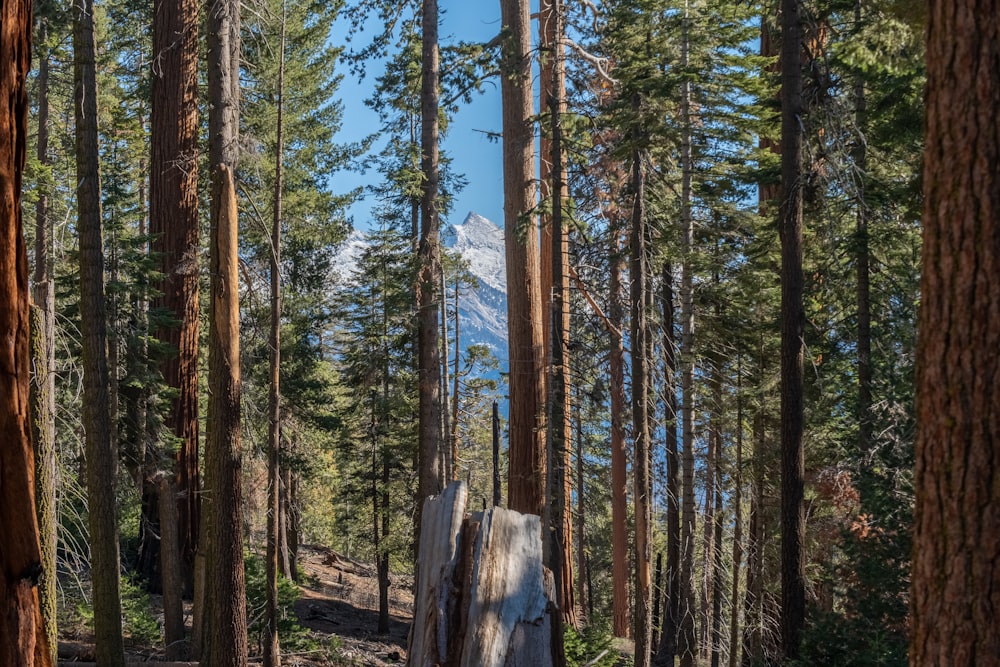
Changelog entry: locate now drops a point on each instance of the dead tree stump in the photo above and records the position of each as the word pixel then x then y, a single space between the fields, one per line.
pixel 484 598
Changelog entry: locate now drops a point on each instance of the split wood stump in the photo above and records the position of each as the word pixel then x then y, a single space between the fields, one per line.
pixel 484 598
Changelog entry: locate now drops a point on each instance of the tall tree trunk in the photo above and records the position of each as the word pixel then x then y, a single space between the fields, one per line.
pixel 581 513
pixel 734 599
pixel 714 527
pixel 687 636
pixel 708 526
pixel 225 638
pixel 23 640
pixel 956 546
pixel 102 459
pixel 272 647
pixel 671 617
pixel 448 454
pixel 715 631
pixel 430 473
pixel 526 485
pixel 752 642
pixel 555 291
pixel 173 226
pixel 641 353
pixel 173 585
pixel 863 259
pixel 793 597
pixel 455 400
pixel 44 387
pixel 619 461
pixel 226 632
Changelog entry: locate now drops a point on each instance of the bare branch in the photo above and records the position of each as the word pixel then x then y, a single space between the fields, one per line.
pixel 599 63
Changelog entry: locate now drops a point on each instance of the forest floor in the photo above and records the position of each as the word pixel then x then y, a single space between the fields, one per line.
pixel 339 606
pixel 337 612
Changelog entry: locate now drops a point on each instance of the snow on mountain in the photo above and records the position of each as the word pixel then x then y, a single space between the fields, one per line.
pixel 348 256
pixel 480 243
pixel 483 311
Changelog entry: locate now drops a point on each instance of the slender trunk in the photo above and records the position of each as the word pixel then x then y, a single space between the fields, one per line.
pixel 793 597
pixel 226 635
pixel 448 454
pixel 289 541
pixel 173 584
pixel 687 637
pixel 430 475
pixel 272 647
pixel 619 472
pixel 496 455
pixel 667 649
pixel 102 459
pixel 23 641
pixel 713 502
pixel 581 514
pixel 225 638
pixel 641 354
pixel 453 436
pixel 526 485
pixel 707 534
pixel 715 633
pixel 557 315
pixel 863 266
pixel 734 599
pixel 754 602
pixel 956 551
pixel 44 388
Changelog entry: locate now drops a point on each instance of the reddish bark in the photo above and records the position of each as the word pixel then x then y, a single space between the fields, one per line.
pixel 22 633
pixel 956 567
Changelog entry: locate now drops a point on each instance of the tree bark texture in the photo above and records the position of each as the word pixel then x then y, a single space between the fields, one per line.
pixel 272 646
pixel 102 455
pixel 484 598
pixel 526 485
pixel 641 355
pixel 863 260
pixel 173 583
pixel 43 359
pixel 793 596
pixel 956 565
pixel 430 468
pixel 734 598
pixel 621 614
pixel 555 312
pixel 226 600
pixel 173 226
pixel 667 649
pixel 687 633
pixel 22 631
pixel 224 639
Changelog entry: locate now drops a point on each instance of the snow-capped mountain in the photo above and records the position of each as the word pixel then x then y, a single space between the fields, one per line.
pixel 482 311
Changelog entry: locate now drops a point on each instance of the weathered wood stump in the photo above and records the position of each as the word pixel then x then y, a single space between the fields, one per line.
pixel 484 598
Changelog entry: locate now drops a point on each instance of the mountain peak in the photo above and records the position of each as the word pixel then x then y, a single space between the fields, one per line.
pixel 479 242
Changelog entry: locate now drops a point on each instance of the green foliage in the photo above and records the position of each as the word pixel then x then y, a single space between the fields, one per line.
pixel 139 624
pixel 592 647
pixel 293 636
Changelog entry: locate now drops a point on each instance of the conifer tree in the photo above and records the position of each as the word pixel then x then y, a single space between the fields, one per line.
pixel 23 639
pixel 102 460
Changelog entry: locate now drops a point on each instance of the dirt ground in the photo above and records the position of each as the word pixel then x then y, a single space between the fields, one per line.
pixel 338 606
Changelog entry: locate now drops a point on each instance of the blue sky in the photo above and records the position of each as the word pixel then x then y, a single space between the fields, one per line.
pixel 473 154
